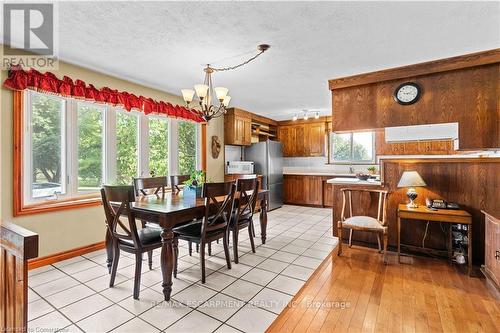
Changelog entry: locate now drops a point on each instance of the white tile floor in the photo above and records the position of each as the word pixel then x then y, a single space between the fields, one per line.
pixel 73 295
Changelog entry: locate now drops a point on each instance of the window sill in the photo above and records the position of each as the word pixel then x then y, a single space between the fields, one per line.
pixel 53 206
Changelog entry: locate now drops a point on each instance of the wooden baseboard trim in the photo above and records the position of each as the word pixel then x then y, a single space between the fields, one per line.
pixel 53 258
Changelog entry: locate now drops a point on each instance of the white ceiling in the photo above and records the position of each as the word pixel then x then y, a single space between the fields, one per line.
pixel 166 44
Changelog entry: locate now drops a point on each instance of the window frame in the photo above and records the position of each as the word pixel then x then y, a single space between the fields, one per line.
pixel 23 202
pixel 351 161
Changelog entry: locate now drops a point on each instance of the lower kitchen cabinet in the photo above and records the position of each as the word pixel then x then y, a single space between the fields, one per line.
pixel 303 190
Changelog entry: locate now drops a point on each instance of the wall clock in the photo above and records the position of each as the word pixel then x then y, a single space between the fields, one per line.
pixel 407 93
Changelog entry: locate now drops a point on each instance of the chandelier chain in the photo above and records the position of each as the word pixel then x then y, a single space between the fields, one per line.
pixel 222 69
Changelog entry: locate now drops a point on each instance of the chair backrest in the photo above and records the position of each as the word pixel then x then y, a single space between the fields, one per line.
pixel 219 201
pixel 381 206
pixel 123 195
pixel 177 180
pixel 246 194
pixel 143 184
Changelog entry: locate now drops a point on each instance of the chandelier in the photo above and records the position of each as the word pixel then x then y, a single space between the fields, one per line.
pixel 206 91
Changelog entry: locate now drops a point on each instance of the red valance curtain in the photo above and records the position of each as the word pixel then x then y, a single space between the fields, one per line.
pixel 20 79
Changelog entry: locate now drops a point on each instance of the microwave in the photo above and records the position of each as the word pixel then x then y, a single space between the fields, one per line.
pixel 239 167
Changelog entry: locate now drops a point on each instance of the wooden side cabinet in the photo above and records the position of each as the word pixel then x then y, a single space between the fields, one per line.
pixel 491 267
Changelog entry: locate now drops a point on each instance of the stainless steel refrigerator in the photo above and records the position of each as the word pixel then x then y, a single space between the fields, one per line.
pixel 268 162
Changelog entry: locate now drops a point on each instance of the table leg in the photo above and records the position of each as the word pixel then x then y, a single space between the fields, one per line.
pixel 450 243
pixel 469 248
pixel 399 239
pixel 263 219
pixel 109 249
pixel 167 261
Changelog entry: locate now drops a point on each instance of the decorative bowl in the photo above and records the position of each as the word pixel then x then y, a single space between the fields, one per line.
pixel 362 176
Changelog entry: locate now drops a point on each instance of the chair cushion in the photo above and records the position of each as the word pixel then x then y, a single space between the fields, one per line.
pixel 193 231
pixel 147 236
pixel 363 222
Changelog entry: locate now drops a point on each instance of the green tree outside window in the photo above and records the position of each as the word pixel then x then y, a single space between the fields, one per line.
pixel 126 147
pixel 158 146
pixel 46 136
pixel 90 147
pixel 187 147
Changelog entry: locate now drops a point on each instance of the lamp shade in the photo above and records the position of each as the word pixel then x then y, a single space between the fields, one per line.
pixel 221 92
pixel 201 90
pixel 411 179
pixel 187 94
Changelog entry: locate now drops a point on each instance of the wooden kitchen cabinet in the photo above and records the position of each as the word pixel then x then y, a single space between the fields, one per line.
pixel 327 193
pixel 316 139
pixel 303 190
pixel 302 139
pixel 237 128
pixel 491 268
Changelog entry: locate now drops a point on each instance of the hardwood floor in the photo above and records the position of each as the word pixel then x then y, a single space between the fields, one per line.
pixel 359 293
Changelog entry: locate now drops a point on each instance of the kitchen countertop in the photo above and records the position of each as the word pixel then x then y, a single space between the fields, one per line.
pixel 318 173
pixel 350 181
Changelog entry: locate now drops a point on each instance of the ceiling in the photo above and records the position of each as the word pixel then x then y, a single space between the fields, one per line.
pixel 165 44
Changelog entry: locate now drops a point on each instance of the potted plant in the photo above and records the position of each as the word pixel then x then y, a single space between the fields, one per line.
pixel 195 183
pixel 372 170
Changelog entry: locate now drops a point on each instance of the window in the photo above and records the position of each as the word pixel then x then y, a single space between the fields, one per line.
pixel 356 147
pixel 90 147
pixel 126 147
pixel 71 147
pixel 158 146
pixel 46 119
pixel 187 147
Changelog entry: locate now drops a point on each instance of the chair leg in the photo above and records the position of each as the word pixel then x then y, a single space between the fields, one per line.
pixel 150 260
pixel 378 241
pixel 198 248
pixel 190 247
pixel 176 254
pixel 350 237
pixel 114 265
pixel 225 240
pixel 209 245
pixel 385 247
pixel 137 277
pixel 250 234
pixel 339 235
pixel 202 261
pixel 235 245
pixel 217 241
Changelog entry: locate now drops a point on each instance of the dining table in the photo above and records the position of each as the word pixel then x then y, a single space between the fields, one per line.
pixel 169 210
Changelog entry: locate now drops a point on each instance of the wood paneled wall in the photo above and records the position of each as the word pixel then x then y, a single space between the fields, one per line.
pixel 17 245
pixel 473 183
pixel 462 89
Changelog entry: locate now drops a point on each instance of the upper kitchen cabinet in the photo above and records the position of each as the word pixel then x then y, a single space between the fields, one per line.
pixel 238 127
pixel 463 90
pixel 242 128
pixel 302 138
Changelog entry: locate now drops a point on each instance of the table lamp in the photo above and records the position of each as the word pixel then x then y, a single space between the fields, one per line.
pixel 411 179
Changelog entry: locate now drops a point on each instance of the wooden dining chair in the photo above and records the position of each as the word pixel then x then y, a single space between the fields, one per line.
pixel 242 217
pixel 219 200
pixel 125 236
pixel 378 225
pixel 155 185
pixel 177 180
pixel 144 186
